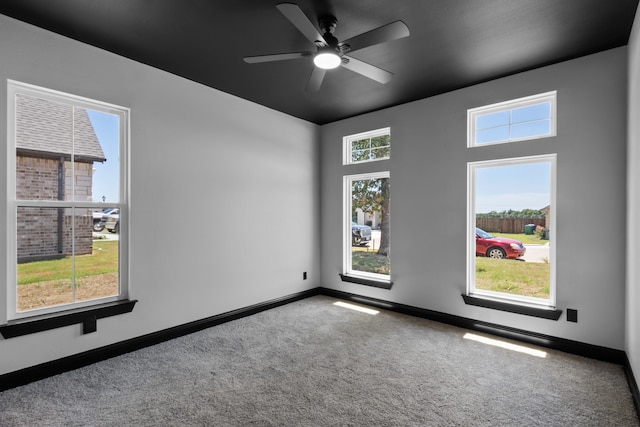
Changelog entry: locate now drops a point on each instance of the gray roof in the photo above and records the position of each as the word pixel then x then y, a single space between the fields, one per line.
pixel 44 129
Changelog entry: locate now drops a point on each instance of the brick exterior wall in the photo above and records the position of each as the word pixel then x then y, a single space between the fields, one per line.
pixel 38 228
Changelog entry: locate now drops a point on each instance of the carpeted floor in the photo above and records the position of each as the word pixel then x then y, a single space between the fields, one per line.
pixel 313 363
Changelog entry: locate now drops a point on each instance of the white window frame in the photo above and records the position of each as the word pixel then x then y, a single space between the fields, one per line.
pixel 471 224
pixel 347 144
pixel 528 101
pixel 15 88
pixel 346 229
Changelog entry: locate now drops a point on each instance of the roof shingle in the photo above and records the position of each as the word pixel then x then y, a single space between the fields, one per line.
pixel 50 128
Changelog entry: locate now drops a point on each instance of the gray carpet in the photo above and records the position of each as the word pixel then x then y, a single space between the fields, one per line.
pixel 312 363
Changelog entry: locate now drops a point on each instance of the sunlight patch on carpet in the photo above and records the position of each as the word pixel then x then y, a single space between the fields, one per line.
pixel 505 345
pixel 356 307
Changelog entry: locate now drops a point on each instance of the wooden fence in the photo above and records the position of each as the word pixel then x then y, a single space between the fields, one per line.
pixel 507 225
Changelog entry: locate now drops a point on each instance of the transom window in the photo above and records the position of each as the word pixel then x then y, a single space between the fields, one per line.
pixel 517 120
pixel 367 146
pixel 67 195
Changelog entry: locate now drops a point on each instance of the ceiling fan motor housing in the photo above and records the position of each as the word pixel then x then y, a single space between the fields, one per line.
pixel 327 24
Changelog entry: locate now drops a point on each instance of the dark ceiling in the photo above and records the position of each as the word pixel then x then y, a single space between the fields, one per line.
pixel 453 43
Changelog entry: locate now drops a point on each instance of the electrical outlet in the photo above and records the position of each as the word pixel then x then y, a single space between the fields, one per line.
pixel 572 315
pixel 304 276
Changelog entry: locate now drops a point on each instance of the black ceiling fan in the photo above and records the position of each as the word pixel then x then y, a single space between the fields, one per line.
pixel 330 52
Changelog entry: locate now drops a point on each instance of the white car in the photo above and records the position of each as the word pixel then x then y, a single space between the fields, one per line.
pixel 111 220
pixel 360 234
pixel 98 224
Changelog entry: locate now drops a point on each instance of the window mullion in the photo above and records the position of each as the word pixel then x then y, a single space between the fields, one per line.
pixel 510 124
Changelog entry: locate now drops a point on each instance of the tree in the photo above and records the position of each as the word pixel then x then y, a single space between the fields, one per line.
pixel 372 195
pixel 525 213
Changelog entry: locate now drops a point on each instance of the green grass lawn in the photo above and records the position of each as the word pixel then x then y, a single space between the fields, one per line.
pixel 104 259
pixel 369 261
pixel 527 239
pixel 514 277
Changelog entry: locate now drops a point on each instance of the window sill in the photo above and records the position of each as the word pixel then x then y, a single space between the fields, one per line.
pixel 545 313
pixel 367 282
pixel 86 315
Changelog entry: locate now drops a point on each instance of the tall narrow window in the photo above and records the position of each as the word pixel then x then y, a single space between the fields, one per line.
pixel 67 195
pixel 366 226
pixel 511 230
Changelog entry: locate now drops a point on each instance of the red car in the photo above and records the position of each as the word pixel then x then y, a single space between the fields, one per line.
pixel 497 247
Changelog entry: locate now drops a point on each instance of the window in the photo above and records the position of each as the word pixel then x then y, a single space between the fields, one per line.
pixel 366 227
pixel 367 146
pixel 67 196
pixel 511 229
pixel 517 120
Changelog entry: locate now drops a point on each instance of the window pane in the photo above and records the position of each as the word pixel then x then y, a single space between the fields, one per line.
pixel 87 152
pixel 97 259
pixel 512 208
pixel 360 155
pixel 369 229
pixel 530 129
pixel 43 144
pixel 56 149
pixel 381 153
pixel 61 259
pixel 492 135
pixel 501 118
pixel 361 144
pixel 44 261
pixel 381 141
pixel 530 113
pixel 106 173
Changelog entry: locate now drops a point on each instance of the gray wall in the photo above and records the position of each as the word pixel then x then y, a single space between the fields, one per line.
pixel 428 195
pixel 633 205
pixel 224 201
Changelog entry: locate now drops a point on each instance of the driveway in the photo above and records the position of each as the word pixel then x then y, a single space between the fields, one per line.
pixel 536 253
pixel 105 235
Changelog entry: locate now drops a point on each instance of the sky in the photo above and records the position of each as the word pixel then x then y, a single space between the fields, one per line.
pixel 517 187
pixel 106 175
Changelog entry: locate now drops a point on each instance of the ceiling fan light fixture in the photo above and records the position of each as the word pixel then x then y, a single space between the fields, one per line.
pixel 327 59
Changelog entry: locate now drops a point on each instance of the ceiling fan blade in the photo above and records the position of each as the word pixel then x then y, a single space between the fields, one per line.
pixel 315 81
pixel 392 31
pixel 367 70
pixel 276 57
pixel 294 14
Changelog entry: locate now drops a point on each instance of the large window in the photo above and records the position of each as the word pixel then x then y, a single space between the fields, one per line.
pixel 366 226
pixel 67 201
pixel 367 146
pixel 511 230
pixel 516 120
